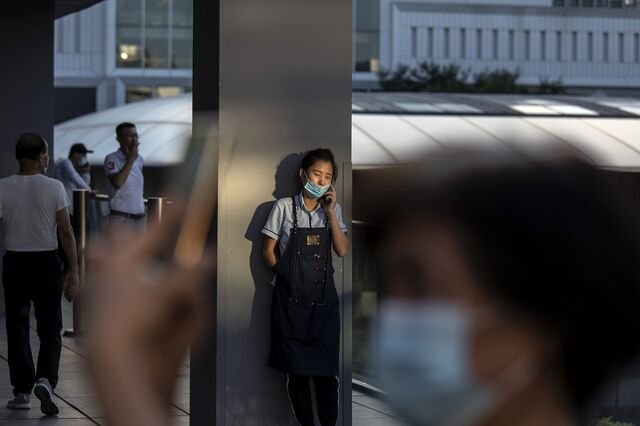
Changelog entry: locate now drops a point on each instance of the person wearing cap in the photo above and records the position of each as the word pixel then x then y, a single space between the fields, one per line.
pixel 74 174
pixel 126 182
pixel 73 171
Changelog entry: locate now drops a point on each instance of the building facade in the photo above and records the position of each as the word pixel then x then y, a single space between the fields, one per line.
pixel 589 46
pixel 120 51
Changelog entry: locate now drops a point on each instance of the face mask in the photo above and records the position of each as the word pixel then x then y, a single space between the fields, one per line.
pixel 83 161
pixel 424 364
pixel 314 190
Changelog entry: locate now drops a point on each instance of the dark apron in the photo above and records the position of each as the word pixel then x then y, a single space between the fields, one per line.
pixel 305 311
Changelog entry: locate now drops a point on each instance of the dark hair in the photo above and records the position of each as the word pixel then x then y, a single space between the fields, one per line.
pixel 319 154
pixel 29 146
pixel 558 243
pixel 124 125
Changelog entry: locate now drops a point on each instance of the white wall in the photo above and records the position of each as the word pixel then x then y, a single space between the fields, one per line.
pixel 578 70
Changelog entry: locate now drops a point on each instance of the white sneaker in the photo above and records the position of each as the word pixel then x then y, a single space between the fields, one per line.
pixel 44 393
pixel 21 401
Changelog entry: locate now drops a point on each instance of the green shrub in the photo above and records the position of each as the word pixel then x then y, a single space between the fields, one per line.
pixel 432 77
pixel 608 421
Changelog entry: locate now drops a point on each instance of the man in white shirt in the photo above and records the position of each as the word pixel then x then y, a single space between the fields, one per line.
pixel 32 208
pixel 124 172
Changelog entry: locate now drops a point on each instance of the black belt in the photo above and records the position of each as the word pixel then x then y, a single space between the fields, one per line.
pixel 127 215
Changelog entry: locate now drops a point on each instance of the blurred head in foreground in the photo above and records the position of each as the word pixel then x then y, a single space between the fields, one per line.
pixel 511 291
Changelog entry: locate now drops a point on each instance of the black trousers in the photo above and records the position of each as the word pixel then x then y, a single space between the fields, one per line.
pixel 327 398
pixel 32 277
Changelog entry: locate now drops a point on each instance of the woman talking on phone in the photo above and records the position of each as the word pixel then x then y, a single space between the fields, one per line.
pixel 305 313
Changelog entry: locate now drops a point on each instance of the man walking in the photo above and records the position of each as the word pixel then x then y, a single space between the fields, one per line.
pixel 124 172
pixel 32 207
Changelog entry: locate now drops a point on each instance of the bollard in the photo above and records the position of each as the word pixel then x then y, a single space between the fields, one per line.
pixel 80 204
pixel 155 209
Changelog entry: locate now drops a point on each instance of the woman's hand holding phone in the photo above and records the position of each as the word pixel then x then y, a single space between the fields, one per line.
pixel 329 199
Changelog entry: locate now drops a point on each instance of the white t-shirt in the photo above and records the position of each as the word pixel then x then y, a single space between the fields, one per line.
pixel 28 207
pixel 129 197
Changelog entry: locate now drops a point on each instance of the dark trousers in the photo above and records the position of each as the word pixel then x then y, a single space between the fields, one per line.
pixel 327 398
pixel 32 277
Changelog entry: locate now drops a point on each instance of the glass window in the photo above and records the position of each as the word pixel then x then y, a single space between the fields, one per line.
pixel 479 43
pixel 620 47
pixel 463 43
pixel 574 46
pixel 138 93
pixel 447 47
pixel 590 46
pixel 636 48
pixel 129 33
pixel 558 46
pixel 156 41
pixel 605 47
pixel 164 91
pixel 367 34
pixel 494 43
pixel 367 51
pixel 182 40
pixel 527 45
pixel 511 45
pixel 365 301
pixel 414 42
pixel 543 45
pixel 430 42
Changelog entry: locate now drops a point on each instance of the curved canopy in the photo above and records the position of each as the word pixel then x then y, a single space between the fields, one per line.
pixel 392 128
pixel 164 127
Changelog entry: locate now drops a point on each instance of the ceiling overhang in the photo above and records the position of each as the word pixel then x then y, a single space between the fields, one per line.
pixel 65 7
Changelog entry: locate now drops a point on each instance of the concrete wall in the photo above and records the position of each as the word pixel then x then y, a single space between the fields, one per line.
pixel 285 87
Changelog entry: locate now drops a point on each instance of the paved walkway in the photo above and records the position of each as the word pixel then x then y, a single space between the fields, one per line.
pixel 77 400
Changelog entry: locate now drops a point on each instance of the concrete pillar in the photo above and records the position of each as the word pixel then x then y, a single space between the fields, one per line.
pixel 26 75
pixel 285 87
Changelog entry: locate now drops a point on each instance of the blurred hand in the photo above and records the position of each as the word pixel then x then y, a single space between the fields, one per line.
pixel 71 286
pixel 143 316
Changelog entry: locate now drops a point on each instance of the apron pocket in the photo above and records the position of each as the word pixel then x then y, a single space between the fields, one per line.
pixel 318 322
pixel 300 314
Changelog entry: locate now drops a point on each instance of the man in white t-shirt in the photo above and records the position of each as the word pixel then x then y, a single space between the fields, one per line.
pixel 32 208
pixel 126 182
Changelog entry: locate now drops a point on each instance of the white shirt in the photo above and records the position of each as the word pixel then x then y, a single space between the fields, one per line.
pixel 71 179
pixel 280 219
pixel 129 197
pixel 28 207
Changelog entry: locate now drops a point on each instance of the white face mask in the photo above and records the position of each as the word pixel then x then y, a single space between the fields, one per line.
pixel 425 364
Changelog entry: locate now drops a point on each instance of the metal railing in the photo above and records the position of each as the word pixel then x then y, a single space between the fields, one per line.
pixel 90 217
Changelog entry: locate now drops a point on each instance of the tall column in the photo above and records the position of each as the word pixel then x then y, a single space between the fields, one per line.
pixel 285 87
pixel 26 75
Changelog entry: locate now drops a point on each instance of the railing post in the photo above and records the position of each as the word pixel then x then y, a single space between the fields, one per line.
pixel 155 209
pixel 80 228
